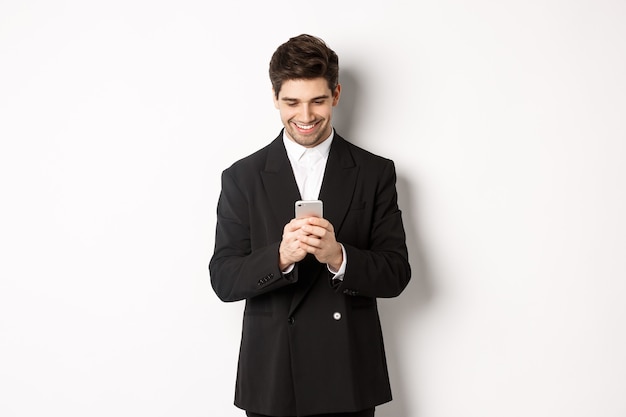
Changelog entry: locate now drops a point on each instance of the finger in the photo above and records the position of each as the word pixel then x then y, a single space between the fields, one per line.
pixel 316 231
pixel 310 243
pixel 320 222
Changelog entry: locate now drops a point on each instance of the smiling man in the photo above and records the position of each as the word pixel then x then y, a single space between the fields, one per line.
pixel 311 342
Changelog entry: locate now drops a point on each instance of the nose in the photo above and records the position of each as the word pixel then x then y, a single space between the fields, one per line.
pixel 307 113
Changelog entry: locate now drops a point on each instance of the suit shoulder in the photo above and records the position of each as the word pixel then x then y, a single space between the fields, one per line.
pixel 362 155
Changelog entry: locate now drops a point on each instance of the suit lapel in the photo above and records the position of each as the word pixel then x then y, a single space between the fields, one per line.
pixel 339 183
pixel 279 182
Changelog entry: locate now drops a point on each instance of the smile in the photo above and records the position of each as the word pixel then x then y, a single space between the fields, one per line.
pixel 304 127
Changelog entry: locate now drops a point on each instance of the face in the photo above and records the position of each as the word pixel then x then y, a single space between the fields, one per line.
pixel 306 108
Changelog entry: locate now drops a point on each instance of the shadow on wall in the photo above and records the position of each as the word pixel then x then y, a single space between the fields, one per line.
pixel 398 315
pixel 343 114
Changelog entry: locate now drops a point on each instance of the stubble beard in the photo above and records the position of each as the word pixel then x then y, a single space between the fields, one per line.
pixel 308 141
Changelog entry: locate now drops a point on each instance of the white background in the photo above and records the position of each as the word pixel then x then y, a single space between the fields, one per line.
pixel 506 120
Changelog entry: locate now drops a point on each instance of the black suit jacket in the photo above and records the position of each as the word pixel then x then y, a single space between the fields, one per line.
pixel 310 346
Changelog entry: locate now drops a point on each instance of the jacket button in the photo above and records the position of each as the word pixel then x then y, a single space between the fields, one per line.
pixel 291 321
pixel 337 315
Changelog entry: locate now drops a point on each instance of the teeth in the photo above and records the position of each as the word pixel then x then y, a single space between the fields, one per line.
pixel 305 127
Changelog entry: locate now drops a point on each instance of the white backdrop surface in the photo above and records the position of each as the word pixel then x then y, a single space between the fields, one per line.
pixel 507 124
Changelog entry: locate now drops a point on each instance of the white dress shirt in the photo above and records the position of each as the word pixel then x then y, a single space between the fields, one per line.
pixel 308 165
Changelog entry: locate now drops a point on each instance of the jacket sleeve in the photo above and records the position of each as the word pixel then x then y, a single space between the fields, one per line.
pixel 237 270
pixel 381 267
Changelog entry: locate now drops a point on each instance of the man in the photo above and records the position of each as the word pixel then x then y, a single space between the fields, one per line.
pixel 311 342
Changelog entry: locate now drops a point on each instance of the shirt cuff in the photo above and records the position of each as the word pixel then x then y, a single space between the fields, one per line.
pixel 342 269
pixel 288 269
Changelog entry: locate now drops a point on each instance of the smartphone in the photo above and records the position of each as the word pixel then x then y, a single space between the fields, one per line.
pixel 309 208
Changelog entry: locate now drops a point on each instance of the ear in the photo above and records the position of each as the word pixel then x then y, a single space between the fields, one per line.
pixel 336 94
pixel 274 98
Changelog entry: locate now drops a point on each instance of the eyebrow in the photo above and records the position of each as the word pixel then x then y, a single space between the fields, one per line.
pixel 323 97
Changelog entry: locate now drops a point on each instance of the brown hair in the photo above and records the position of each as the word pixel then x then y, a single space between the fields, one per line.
pixel 304 57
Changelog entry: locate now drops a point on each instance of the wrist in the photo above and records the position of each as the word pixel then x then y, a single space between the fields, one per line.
pixel 282 265
pixel 337 260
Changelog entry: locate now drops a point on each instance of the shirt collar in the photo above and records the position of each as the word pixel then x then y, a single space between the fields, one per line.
pixel 295 150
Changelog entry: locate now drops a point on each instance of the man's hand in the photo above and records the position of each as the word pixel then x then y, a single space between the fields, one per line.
pixel 290 251
pixel 312 235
